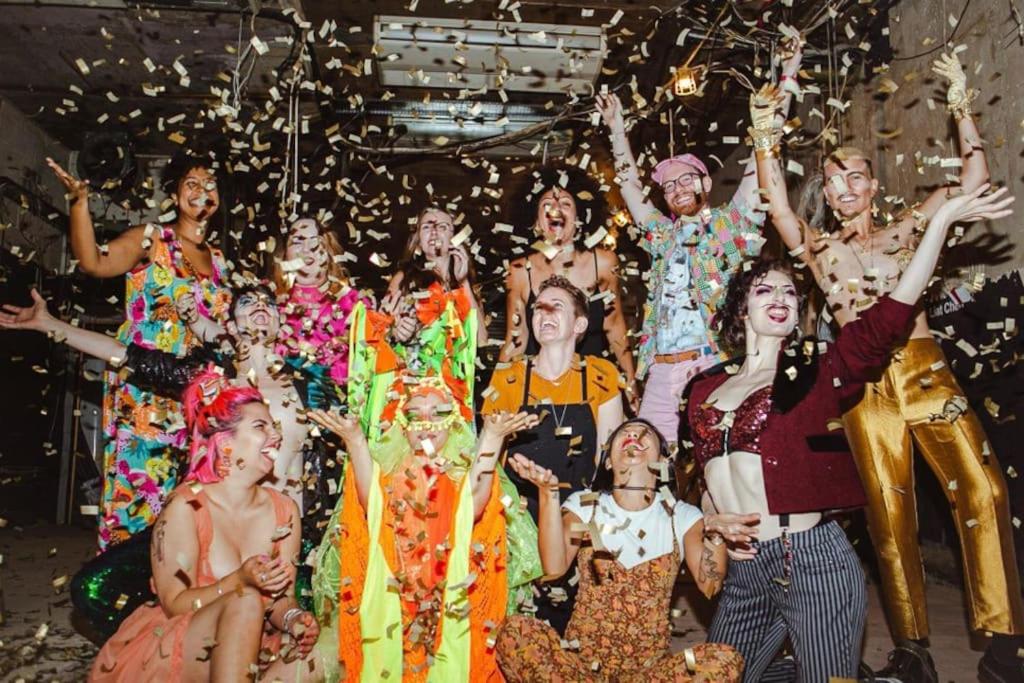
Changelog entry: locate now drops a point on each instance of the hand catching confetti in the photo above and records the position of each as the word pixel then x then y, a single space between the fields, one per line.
pixel 529 470
pixel 35 317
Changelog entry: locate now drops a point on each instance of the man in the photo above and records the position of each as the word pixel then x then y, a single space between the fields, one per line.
pixel 694 254
pixel 917 396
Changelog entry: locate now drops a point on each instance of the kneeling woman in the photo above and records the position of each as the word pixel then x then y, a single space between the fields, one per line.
pixel 421 540
pixel 760 434
pixel 638 538
pixel 220 617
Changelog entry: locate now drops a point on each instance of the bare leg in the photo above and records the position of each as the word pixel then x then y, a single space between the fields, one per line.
pixel 223 639
pixel 305 670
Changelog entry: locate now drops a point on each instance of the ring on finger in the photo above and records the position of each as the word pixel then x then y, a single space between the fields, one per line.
pixel 263 578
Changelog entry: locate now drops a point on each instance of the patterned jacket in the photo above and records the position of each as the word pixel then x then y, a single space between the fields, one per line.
pixel 718 245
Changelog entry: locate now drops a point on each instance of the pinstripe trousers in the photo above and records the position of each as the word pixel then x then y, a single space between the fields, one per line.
pixel 822 612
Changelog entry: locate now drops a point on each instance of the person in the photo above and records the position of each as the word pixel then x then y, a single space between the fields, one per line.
pixel 440 357
pixel 631 537
pixel 317 298
pixel 564 204
pixel 144 444
pixel 854 266
pixel 760 433
pixel 123 571
pixel 694 253
pixel 580 399
pixel 219 617
pixel 432 269
pixel 422 541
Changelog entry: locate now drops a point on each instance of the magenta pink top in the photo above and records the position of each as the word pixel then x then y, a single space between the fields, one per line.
pixel 314 325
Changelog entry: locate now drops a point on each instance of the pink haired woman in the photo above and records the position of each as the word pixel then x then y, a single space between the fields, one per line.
pixel 222 555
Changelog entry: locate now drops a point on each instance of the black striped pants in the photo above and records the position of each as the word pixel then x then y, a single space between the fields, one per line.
pixel 823 611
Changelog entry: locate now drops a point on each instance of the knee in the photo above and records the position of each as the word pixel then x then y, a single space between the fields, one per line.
pixel 717 658
pixel 509 633
pixel 243 606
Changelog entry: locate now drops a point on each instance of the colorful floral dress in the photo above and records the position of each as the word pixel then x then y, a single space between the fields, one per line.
pixel 145 435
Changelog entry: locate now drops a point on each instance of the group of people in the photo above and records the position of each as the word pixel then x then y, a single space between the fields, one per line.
pixel 294 427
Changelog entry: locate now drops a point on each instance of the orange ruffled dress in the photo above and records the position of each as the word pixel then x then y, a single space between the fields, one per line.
pixel 149 646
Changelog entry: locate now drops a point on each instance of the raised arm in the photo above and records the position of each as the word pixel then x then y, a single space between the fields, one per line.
pixel 627 175
pixel 117 257
pixel 554 527
pixel 37 318
pixel 517 292
pixel 747 192
pixel 497 427
pixel 965 208
pixel 974 166
pixel 347 427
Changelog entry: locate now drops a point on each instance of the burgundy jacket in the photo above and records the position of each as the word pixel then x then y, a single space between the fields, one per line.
pixel 808 467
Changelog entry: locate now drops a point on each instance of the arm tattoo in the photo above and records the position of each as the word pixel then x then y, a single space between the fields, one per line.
pixel 709 567
pixel 158 536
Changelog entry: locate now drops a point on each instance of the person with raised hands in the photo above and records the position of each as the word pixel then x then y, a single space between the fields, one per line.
pixel 167 268
pixel 223 557
pixel 630 538
pixel 695 251
pixel 760 430
pixel 422 575
pixel 856 258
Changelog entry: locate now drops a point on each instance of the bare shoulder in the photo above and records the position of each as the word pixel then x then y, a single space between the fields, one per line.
pixel 516 279
pixel 607 261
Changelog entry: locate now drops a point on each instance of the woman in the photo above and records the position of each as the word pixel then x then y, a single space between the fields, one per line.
pixel 558 221
pixel 219 617
pixel 760 435
pixel 431 270
pixel 580 400
pixel 145 443
pixel 421 537
pixel 635 537
pixel 317 299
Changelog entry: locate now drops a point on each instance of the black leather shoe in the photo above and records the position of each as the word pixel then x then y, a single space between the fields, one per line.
pixel 908 663
pixel 992 670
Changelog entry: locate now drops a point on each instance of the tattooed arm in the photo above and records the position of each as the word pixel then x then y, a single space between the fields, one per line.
pixel 174 554
pixel 705 560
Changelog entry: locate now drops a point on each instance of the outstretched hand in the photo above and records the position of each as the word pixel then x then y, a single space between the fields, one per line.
pixel 345 426
pixel 610 108
pixel 764 105
pixel 503 424
pixel 34 317
pixel 529 470
pixel 77 189
pixel 971 207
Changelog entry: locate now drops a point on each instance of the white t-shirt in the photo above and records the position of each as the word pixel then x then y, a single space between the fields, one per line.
pixel 634 536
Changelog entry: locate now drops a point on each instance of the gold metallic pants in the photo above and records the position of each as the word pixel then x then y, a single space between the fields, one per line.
pixel 909 401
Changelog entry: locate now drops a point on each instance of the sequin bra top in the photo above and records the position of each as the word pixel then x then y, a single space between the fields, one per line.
pixel 716 432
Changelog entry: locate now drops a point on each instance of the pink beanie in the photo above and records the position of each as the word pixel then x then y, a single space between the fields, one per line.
pixel 687 159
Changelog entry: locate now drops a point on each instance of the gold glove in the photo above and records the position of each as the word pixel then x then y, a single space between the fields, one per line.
pixel 958 97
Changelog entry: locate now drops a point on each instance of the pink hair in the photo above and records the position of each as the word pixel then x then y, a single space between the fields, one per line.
pixel 212 409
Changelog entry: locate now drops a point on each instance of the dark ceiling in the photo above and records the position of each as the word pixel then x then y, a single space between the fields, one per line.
pixel 354 162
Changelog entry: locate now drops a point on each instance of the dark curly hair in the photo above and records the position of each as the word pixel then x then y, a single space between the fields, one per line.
pixel 591 208
pixel 603 480
pixel 731 314
pixel 183 162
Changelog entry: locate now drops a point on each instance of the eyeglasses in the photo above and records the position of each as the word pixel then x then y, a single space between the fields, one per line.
pixel 687 181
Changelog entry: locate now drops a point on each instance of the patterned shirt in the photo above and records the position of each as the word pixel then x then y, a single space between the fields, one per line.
pixel 712 246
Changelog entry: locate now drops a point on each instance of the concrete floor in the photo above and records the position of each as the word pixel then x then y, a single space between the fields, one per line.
pixel 35 557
